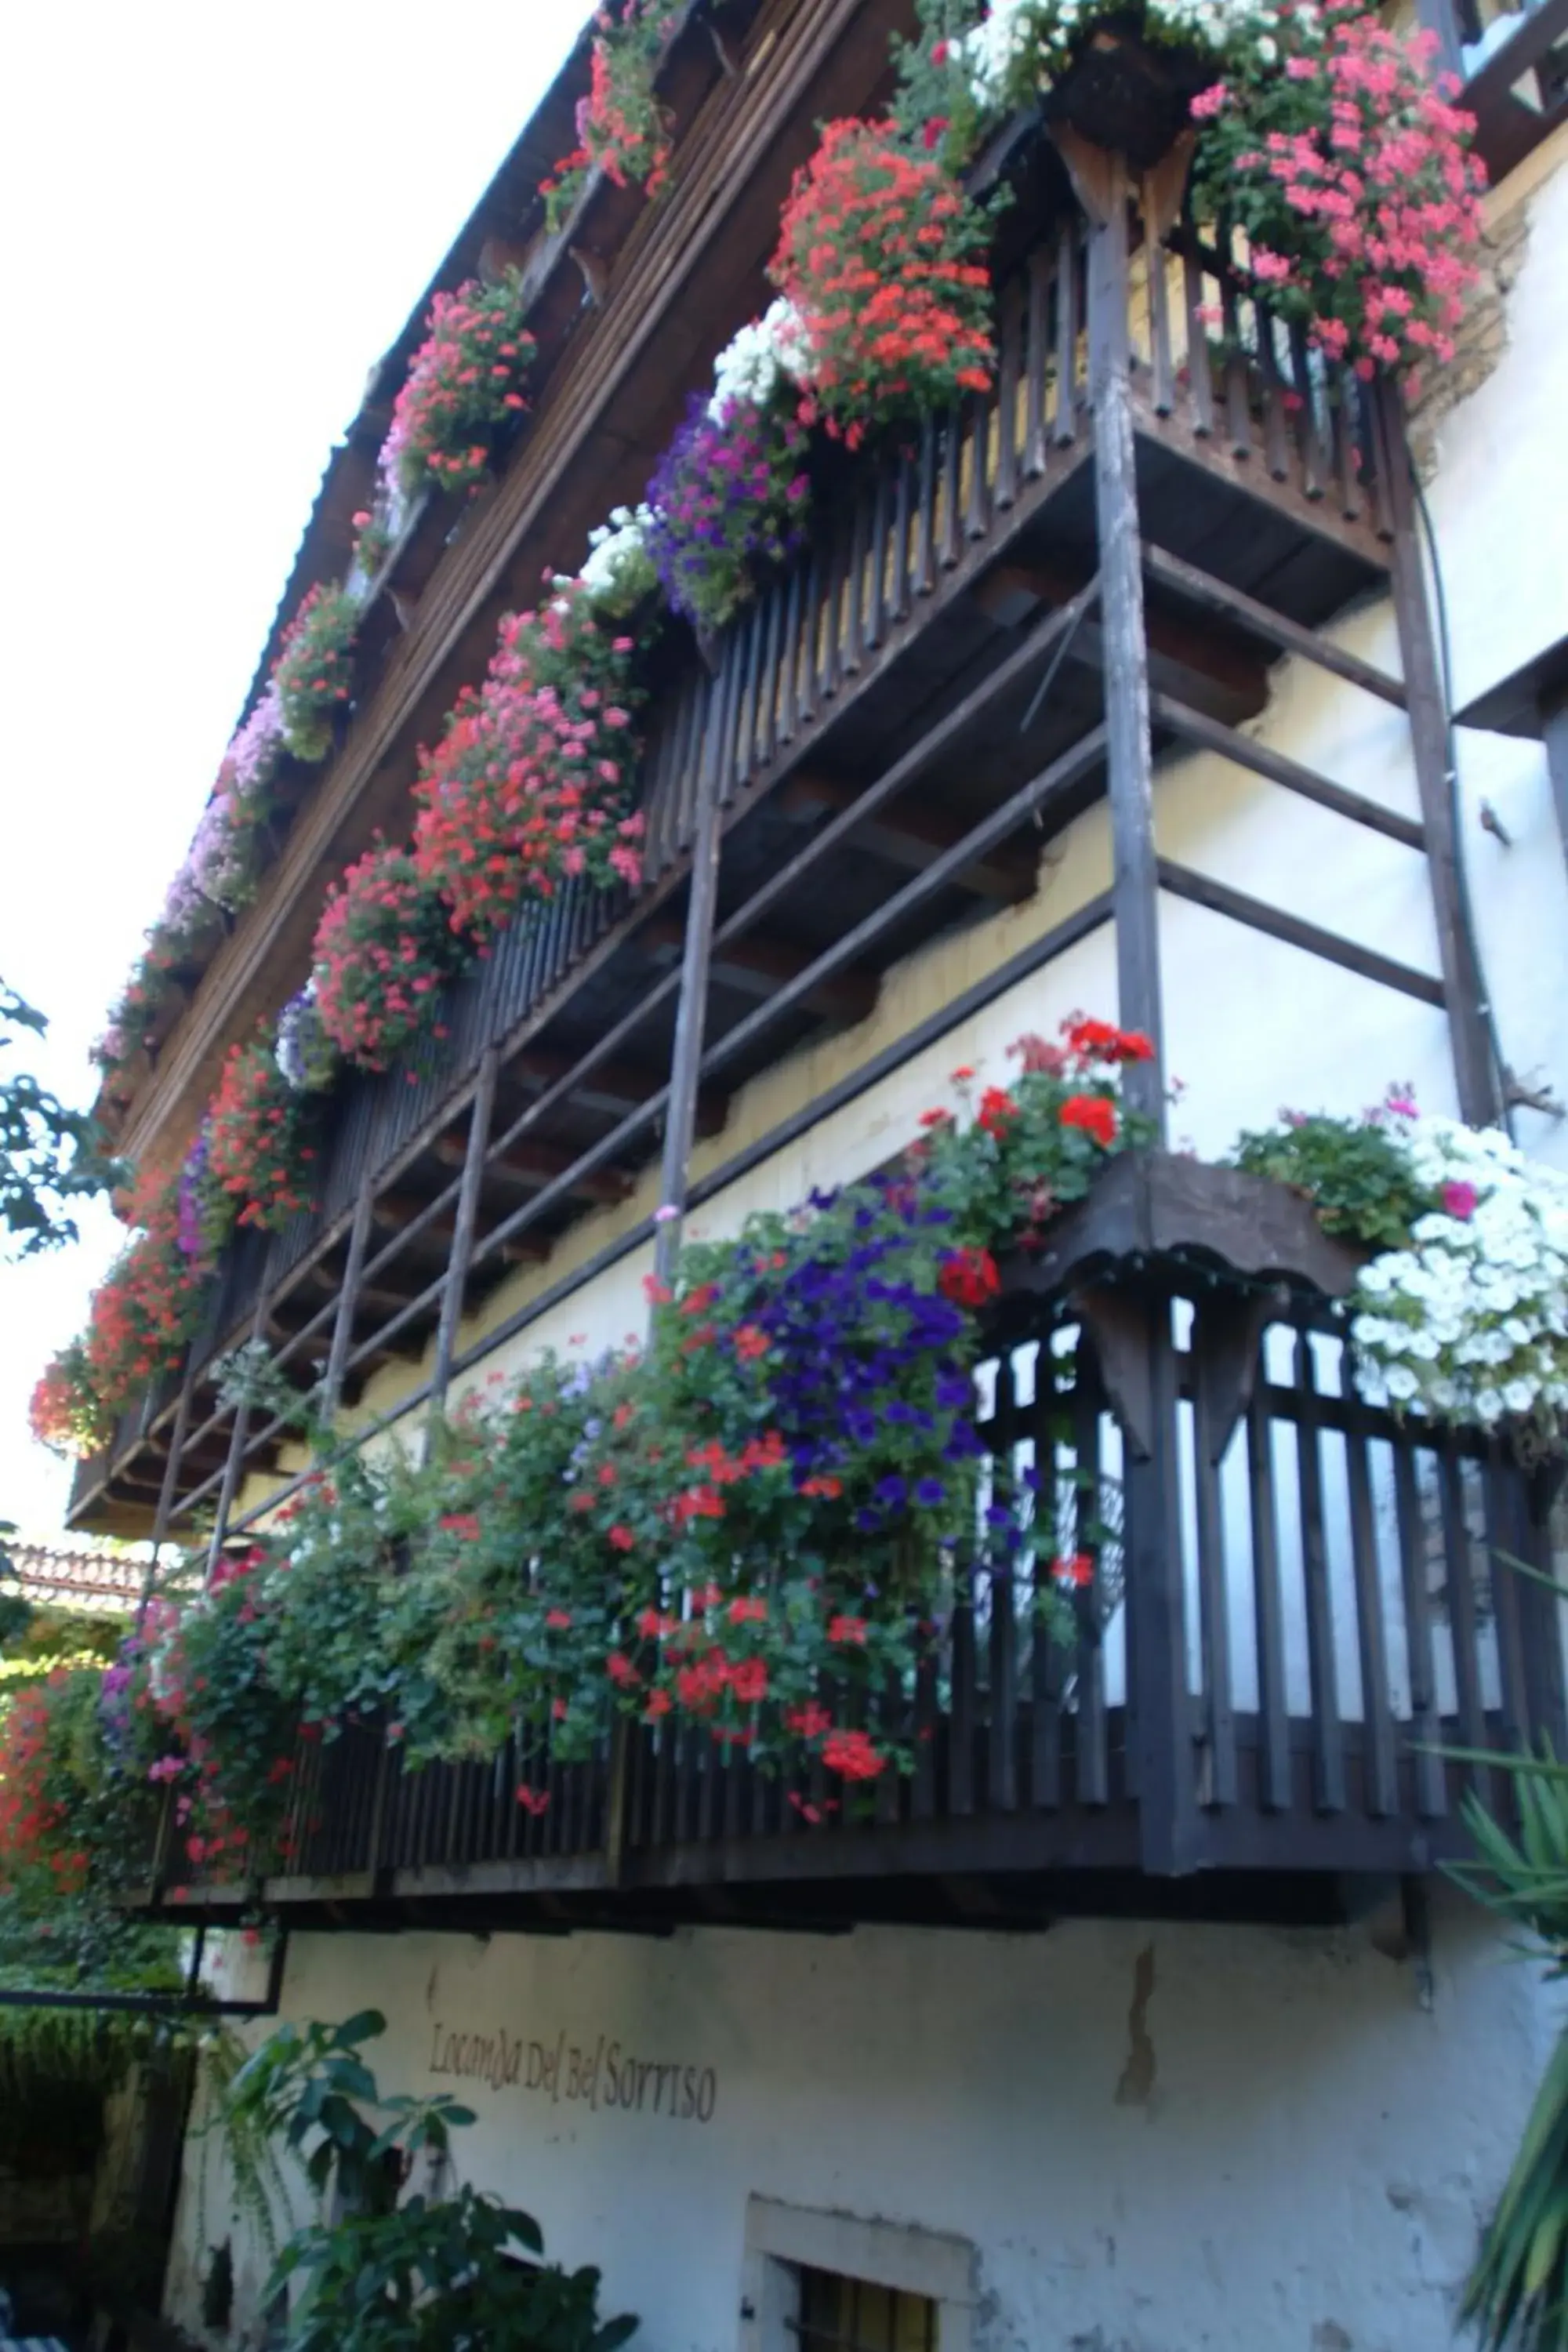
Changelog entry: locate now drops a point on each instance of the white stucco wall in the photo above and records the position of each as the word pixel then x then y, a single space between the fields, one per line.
pixel 1261 2143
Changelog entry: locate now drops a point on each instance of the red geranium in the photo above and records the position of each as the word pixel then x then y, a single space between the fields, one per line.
pixel 1095 1114
pixel 257 1154
pixel 969 1278
pixel 882 254
pixel 464 383
pixel 313 672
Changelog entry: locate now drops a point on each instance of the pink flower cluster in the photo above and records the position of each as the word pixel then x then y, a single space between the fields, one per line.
pixel 382 948
pixel 533 781
pixel 464 383
pixel 1353 176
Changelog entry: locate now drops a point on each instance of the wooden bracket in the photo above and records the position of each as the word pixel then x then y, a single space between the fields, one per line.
pixel 1118 1324
pixel 1164 188
pixel 727 65
pixel 595 276
pixel 1228 1329
pixel 1099 177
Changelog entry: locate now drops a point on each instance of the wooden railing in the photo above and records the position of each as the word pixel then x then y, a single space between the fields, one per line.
pixel 1344 1604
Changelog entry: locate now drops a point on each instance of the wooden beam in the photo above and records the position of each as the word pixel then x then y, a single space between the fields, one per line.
pixel 525 1167
pixel 697 971
pixel 914 839
pixel 1258 916
pixel 758 964
pixel 611 1087
pixel 1291 638
pixel 1214 669
pixel 1207 734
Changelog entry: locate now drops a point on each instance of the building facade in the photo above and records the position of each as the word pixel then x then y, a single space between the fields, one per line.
pixel 1133 2018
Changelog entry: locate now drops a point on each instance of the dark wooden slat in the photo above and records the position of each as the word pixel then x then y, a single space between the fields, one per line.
pixel 1091 1750
pixel 898 596
pixel 1036 356
pixel 1218 1707
pixel 1064 422
pixel 1379 1768
pixel 1221 900
pixel 1274 1757
pixel 977 504
pixel 1327 1734
pixel 1009 361
pixel 925 531
pixel 1198 371
pixel 1290 636
pixel 949 539
pixel 789 659
pixel 960 1748
pixel 1463 1630
pixel 1431 1793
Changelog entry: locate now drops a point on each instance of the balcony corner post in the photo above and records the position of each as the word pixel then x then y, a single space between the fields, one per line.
pixel 1102 183
pixel 457 1264
pixel 1133 1322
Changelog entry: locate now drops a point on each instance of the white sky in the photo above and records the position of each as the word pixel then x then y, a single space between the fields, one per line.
pixel 212 223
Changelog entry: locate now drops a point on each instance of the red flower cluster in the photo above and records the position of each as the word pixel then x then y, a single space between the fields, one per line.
pixel 313 672
pixel 257 1152
pixel 463 383
pixel 882 254
pixel 384 946
pixel 533 781
pixel 32 1819
pixel 969 1278
pixel 146 1308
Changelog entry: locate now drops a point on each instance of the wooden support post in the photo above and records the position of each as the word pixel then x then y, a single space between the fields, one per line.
pixel 463 1237
pixel 1130 1324
pixel 348 1298
pixel 167 1490
pixel 691 1019
pixel 1475 1074
pixel 1101 181
pixel 236 1462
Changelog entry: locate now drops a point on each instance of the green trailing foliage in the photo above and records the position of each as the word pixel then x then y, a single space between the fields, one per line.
pixel 1516 2294
pixel 420 2272
pixel 1356 1173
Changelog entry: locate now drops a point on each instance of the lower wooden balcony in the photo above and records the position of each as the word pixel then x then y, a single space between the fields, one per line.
pixel 1298 1604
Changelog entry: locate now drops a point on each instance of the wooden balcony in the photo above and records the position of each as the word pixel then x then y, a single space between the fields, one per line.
pixel 889 736
pixel 1295 1604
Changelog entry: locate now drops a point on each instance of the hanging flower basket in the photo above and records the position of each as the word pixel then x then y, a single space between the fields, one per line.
pixel 384 948
pixel 258 1153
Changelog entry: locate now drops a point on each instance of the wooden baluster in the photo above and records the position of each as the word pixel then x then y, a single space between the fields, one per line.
pixel 832 673
pixel 855 592
pixel 1063 429
pixel 977 503
pixel 877 563
pixel 1238 385
pixel 949 544
pixel 1463 1630
pixel 1091 1752
pixel 1002 1711
pixel 1350 461
pixel 746 715
pixel 1009 365
pixel 1035 394
pixel 961 1734
pixel 1274 1727
pixel 1504 1545
pixel 1276 434
pixel 925 536
pixel 899 592
pixel 1314 454
pixel 1328 1733
pixel 348 1301
pixel 1163 385
pixel 1210 1439
pixel 789 665
pixel 768 712
pixel 1431 1787
pixel 1199 372
pixel 1380 1767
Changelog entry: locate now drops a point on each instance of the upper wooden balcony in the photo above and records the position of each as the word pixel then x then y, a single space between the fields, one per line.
pixel 893 731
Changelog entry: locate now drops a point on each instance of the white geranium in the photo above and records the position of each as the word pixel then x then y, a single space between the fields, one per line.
pixel 772 351
pixel 1470 1323
pixel 615 544
pixel 1024 44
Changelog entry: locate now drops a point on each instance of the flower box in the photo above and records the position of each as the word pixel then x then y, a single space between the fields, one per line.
pixel 1159 1208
